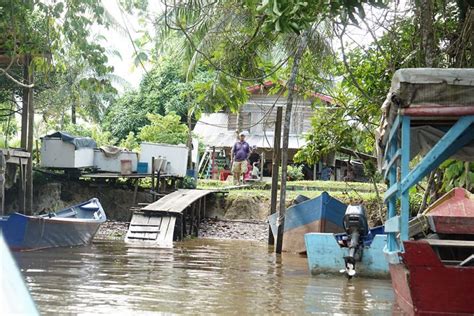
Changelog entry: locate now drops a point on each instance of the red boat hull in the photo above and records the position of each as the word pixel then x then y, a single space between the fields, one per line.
pixel 423 285
pixel 453 213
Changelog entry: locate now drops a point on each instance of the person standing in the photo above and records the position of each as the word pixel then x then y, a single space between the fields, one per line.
pixel 240 154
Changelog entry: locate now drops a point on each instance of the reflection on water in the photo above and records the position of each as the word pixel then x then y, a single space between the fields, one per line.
pixel 205 276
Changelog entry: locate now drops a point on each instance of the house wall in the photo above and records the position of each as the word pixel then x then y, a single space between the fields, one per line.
pixel 258 115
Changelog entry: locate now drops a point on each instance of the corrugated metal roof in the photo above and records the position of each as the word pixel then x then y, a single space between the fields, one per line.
pixel 212 129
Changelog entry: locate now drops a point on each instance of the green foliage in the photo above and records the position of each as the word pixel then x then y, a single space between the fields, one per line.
pixel 296 15
pixel 189 183
pixel 102 138
pixel 8 124
pixel 331 130
pixel 294 173
pixel 164 129
pixel 125 115
pixel 215 92
pixel 39 28
pixel 457 174
pixel 130 142
pixel 162 90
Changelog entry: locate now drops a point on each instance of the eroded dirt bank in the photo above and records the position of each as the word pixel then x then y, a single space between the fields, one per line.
pixel 235 216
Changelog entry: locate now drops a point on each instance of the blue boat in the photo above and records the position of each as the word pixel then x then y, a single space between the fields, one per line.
pixel 321 214
pixel 328 253
pixel 16 300
pixel 73 226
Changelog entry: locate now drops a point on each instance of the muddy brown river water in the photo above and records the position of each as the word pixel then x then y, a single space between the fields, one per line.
pixel 196 277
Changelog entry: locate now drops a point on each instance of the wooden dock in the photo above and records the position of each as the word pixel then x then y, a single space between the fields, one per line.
pixel 172 217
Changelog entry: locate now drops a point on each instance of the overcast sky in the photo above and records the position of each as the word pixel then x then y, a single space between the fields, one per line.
pixel 119 41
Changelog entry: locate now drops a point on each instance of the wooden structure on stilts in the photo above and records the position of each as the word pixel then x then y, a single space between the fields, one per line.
pixel 172 217
pixel 12 158
pixel 22 157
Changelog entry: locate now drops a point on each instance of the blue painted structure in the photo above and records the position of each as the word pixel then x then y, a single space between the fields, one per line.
pixel 16 300
pixel 73 226
pixel 321 214
pixel 398 148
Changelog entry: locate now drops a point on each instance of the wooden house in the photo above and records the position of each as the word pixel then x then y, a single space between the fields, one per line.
pixel 257 118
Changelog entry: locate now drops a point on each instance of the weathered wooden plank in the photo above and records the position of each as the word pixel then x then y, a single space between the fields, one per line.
pixel 145 229
pixel 417 225
pixel 165 238
pixel 177 201
pixel 143 236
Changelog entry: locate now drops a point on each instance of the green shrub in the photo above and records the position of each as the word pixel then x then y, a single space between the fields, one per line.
pixel 166 129
pixel 294 173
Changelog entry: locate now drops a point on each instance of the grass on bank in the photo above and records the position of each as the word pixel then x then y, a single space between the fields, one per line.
pixel 329 186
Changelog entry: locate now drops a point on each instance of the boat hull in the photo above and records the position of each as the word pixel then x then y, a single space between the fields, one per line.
pixel 321 214
pixel 423 285
pixel 326 256
pixel 23 232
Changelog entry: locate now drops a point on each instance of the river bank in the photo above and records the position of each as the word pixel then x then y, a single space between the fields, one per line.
pixel 210 228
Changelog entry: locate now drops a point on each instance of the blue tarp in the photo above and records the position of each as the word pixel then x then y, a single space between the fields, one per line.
pixel 78 142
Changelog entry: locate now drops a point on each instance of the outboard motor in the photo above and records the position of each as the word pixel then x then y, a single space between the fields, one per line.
pixel 356 227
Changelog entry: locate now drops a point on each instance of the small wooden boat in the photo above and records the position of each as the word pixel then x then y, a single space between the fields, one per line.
pixel 327 253
pixel 73 226
pixel 322 214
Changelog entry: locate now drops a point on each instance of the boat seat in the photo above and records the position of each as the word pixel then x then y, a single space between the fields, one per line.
pixel 451 243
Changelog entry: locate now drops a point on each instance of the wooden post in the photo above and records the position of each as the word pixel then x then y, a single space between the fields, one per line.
pixel 275 167
pixel 135 192
pixel 3 166
pixel 190 141
pixel 204 208
pixel 286 132
pixel 193 213
pixel 199 216
pixel 37 152
pixel 315 171
pixel 152 189
pixel 262 163
pixel 182 227
pixel 21 187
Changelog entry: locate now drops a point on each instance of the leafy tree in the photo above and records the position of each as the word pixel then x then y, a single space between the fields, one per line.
pixel 457 174
pixel 164 129
pixel 125 115
pixel 42 29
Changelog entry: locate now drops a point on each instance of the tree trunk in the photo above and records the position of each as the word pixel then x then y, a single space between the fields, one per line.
pixel 24 109
pixel 240 122
pixel 286 132
pixel 428 43
pixel 73 113
pixel 471 38
pixel 190 141
pixel 29 170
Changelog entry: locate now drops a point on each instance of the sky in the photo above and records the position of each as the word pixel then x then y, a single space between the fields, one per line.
pixel 119 41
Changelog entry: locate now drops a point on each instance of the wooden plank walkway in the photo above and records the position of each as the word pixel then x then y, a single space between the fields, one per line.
pixel 155 224
pixel 177 201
